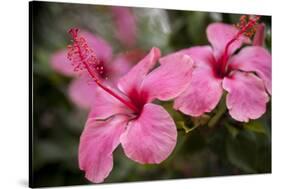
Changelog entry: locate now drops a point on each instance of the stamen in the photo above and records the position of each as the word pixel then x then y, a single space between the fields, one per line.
pixel 83 57
pixel 246 26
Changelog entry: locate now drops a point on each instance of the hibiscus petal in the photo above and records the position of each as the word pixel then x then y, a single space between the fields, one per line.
pixel 105 105
pixel 219 34
pixel 259 35
pixel 102 49
pixel 254 59
pixel 133 79
pixel 202 95
pixel 150 138
pixel 201 55
pixel 61 64
pixel 170 79
pixel 246 97
pixel 125 24
pixel 97 143
pixel 82 92
pixel 119 67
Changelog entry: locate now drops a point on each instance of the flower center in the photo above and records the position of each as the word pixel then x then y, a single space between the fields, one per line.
pixel 247 27
pixel 101 69
pixel 139 99
pixel 83 57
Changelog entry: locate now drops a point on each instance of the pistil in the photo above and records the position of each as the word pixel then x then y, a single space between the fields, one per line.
pixel 245 27
pixel 83 57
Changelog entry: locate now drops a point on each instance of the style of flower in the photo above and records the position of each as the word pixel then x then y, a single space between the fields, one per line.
pixel 126 114
pixel 246 76
pixel 81 91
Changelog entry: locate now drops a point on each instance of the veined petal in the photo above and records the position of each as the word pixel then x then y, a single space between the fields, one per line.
pixel 133 79
pixel 82 92
pixel 97 143
pixel 150 138
pixel 219 34
pixel 202 95
pixel 202 56
pixel 246 97
pixel 254 59
pixel 169 79
pixel 61 64
pixel 105 105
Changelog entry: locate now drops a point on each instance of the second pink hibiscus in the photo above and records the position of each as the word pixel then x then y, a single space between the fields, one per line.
pixel 246 76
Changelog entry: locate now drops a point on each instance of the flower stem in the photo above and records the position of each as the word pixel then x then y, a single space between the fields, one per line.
pixel 221 110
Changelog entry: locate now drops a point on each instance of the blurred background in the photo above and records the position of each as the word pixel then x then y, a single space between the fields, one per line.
pixel 218 146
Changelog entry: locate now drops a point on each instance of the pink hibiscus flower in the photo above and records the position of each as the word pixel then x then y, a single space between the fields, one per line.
pixel 246 76
pixel 81 91
pixel 125 24
pixel 126 114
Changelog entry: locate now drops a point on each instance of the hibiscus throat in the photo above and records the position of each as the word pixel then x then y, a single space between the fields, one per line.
pixel 84 58
pixel 101 69
pixel 247 27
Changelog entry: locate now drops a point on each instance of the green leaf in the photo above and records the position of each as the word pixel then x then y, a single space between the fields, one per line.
pixel 196 21
pixel 255 126
pixel 250 152
pixel 233 131
pixel 241 152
